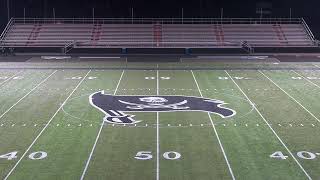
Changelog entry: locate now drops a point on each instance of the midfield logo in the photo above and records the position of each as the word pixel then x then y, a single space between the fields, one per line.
pixel 114 106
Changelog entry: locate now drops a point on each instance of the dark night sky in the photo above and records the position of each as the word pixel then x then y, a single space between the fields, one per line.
pixel 309 9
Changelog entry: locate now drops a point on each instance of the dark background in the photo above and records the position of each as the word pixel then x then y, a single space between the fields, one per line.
pixel 308 9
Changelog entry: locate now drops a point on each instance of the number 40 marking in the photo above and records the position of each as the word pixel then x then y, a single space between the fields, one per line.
pixel 301 154
pixel 34 156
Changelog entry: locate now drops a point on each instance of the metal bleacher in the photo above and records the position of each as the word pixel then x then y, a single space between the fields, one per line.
pixel 157 33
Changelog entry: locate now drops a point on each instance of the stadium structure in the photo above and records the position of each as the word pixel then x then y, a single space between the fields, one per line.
pixel 159 99
pixel 175 35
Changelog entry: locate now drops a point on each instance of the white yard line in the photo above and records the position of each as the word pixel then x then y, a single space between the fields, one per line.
pixel 216 132
pixel 158 145
pixel 27 94
pixel 10 78
pixel 98 135
pixel 316 66
pixel 268 124
pixel 290 96
pixel 306 79
pixel 45 127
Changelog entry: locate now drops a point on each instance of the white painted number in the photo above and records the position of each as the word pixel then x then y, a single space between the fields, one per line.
pixel 278 155
pixel 171 155
pixel 236 77
pixel 38 155
pixel 146 155
pixel 306 155
pixel 34 156
pixel 79 77
pixel 91 77
pixel 296 77
pixel 149 78
pixel 165 78
pixel 18 77
pixel 143 155
pixel 10 155
pixel 223 78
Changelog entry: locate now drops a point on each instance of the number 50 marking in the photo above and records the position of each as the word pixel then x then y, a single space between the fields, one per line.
pixel 146 155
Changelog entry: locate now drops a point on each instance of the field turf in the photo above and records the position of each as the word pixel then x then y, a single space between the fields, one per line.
pixel 49 130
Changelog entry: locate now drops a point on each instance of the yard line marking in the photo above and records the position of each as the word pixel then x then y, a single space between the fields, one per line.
pixel 158 146
pixel 215 131
pixel 289 96
pixel 27 94
pixel 54 115
pixel 274 132
pixel 306 79
pixel 10 78
pixel 98 135
pixel 316 66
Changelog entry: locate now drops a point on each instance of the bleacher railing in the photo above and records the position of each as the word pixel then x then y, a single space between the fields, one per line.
pixel 6 29
pixel 309 32
pixel 160 20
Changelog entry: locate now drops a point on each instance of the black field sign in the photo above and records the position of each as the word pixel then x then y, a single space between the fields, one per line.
pixel 114 106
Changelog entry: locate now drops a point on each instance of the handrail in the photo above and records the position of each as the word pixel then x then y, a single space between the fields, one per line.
pixel 247 47
pixel 6 30
pixel 161 20
pixel 307 29
pixel 67 46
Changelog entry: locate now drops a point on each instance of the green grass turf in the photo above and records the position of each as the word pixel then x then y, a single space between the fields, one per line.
pixel 248 142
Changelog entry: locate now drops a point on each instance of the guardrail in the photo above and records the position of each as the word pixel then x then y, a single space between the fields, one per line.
pixel 160 20
pixel 109 44
pixel 3 34
pixel 67 45
pixel 309 32
pixel 247 47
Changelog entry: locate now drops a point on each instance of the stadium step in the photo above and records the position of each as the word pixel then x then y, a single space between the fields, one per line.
pixel 96 34
pixel 34 34
pixel 218 31
pixel 280 34
pixel 157 34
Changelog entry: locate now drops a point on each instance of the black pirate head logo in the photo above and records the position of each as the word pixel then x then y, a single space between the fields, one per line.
pixel 114 106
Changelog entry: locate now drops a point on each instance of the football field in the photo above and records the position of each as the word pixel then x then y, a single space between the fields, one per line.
pixel 159 124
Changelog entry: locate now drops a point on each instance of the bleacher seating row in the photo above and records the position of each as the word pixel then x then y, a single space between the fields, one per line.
pixel 157 35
